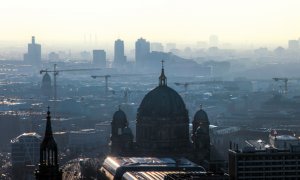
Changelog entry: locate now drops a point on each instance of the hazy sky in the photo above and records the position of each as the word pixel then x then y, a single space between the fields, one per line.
pixel 236 21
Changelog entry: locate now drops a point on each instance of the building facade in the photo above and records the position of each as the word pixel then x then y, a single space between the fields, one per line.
pixel 162 128
pixel 25 149
pixel 270 163
pixel 25 152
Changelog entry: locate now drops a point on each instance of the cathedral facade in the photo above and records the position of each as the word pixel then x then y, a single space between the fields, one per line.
pixel 162 128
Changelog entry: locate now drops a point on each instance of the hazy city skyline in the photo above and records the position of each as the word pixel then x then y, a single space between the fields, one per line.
pixel 158 21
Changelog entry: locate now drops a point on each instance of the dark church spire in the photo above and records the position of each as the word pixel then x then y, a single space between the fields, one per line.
pixel 162 77
pixel 48 167
pixel 48 132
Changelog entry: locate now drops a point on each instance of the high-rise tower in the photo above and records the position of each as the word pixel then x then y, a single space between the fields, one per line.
pixel 33 56
pixel 99 58
pixel 142 50
pixel 119 57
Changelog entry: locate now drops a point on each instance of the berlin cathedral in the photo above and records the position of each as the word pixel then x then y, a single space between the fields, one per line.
pixel 162 128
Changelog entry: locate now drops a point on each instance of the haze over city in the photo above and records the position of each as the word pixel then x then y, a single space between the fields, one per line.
pixel 149 90
pixel 235 21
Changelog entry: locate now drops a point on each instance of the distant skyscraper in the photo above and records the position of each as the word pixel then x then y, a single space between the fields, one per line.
pixel 213 41
pixel 33 56
pixel 99 58
pixel 293 45
pixel 119 57
pixel 142 50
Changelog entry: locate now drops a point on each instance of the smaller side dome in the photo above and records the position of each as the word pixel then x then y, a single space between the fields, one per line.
pixel 201 116
pixel 200 119
pixel 120 118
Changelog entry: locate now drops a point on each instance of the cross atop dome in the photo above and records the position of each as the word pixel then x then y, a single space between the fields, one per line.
pixel 162 77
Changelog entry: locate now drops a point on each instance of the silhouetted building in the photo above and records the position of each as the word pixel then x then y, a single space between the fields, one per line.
pixel 46 85
pixel 142 50
pixel 162 128
pixel 200 135
pixel 119 57
pixel 270 163
pixel 99 58
pixel 121 135
pixel 48 166
pixel 33 56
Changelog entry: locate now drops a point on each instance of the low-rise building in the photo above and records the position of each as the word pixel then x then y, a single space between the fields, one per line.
pixel 269 163
pixel 25 149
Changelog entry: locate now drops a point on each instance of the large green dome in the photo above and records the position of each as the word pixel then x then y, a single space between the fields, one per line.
pixel 162 101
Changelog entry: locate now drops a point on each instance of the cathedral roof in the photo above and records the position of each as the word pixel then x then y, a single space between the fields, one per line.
pixel 201 116
pixel 119 117
pixel 162 101
pixel 46 78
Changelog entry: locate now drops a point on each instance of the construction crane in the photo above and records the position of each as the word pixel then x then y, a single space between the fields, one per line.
pixel 56 72
pixel 116 75
pixel 106 81
pixel 187 84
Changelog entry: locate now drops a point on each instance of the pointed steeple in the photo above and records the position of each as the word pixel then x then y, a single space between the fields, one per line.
pixel 48 145
pixel 162 77
pixel 48 167
pixel 48 132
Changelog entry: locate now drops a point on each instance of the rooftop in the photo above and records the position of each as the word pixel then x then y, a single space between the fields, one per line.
pixel 26 135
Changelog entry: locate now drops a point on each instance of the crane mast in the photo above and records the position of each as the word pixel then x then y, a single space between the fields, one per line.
pixel 55 72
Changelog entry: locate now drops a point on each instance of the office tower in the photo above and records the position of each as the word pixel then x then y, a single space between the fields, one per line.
pixel 99 58
pixel 33 56
pixel 142 50
pixel 119 57
pixel 213 41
